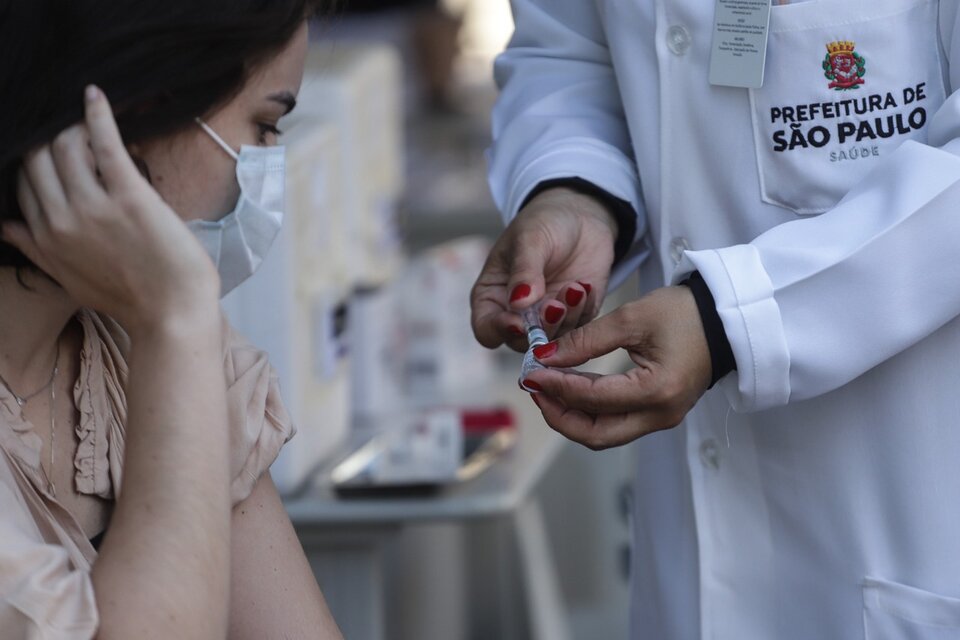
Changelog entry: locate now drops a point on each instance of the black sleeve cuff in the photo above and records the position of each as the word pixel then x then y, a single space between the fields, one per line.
pixel 621 210
pixel 721 355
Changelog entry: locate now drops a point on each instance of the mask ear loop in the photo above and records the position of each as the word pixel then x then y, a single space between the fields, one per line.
pixel 217 139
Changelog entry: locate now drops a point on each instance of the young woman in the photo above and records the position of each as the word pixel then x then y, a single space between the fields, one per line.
pixel 131 417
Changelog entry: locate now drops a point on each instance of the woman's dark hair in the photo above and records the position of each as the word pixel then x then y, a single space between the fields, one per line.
pixel 161 63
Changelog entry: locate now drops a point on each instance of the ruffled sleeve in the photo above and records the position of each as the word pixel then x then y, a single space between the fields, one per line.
pixel 102 405
pixel 259 422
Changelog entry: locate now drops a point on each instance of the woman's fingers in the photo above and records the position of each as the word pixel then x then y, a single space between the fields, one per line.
pixel 56 181
pixel 598 338
pixel 596 432
pixel 565 311
pixel 41 173
pixel 635 390
pixel 18 235
pixel 512 328
pixel 575 297
pixel 509 327
pixel 75 164
pixel 23 235
pixel 117 169
pixel 29 205
pixel 552 314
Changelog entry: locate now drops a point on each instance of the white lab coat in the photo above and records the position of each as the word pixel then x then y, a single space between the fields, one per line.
pixel 834 511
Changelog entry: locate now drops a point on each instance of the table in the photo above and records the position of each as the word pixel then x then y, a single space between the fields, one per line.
pixel 344 538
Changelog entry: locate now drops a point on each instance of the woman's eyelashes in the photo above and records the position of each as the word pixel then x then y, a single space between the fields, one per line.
pixel 268 133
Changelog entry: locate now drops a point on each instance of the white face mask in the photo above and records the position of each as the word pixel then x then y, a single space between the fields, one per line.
pixel 239 241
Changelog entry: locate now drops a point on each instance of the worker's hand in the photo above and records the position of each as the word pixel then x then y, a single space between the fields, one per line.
pixel 97 227
pixel 664 337
pixel 559 248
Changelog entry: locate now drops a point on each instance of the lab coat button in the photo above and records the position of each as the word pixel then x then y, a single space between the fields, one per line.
pixel 710 454
pixel 677 247
pixel 678 39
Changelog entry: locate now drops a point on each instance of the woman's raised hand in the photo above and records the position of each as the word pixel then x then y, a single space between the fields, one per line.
pixel 95 225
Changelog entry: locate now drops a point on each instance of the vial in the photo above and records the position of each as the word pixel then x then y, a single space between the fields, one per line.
pixel 536 337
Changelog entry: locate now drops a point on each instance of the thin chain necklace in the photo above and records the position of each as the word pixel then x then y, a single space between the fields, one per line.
pixel 22 400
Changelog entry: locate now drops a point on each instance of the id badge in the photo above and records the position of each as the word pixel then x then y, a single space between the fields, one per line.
pixel 739 52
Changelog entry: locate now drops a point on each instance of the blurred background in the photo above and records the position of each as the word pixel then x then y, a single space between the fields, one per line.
pixel 431 499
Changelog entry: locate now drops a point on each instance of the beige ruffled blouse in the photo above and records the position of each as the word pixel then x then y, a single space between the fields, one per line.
pixel 45 558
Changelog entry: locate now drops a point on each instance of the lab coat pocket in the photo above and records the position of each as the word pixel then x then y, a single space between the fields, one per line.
pixel 894 611
pixel 846 84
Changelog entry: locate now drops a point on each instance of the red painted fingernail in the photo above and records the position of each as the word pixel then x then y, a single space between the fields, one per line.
pixel 545 351
pixel 553 315
pixel 586 286
pixel 532 386
pixel 517 331
pixel 520 292
pixel 573 297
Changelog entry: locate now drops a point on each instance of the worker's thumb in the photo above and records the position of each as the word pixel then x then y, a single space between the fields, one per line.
pixel 592 340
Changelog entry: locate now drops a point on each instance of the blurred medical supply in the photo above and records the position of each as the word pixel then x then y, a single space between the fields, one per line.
pixel 419 450
pixel 424 450
pixel 357 90
pixel 411 338
pixel 418 462
pixel 444 360
pixel 358 333
pixel 345 164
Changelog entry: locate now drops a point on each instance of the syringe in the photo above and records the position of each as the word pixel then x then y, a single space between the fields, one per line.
pixel 536 337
